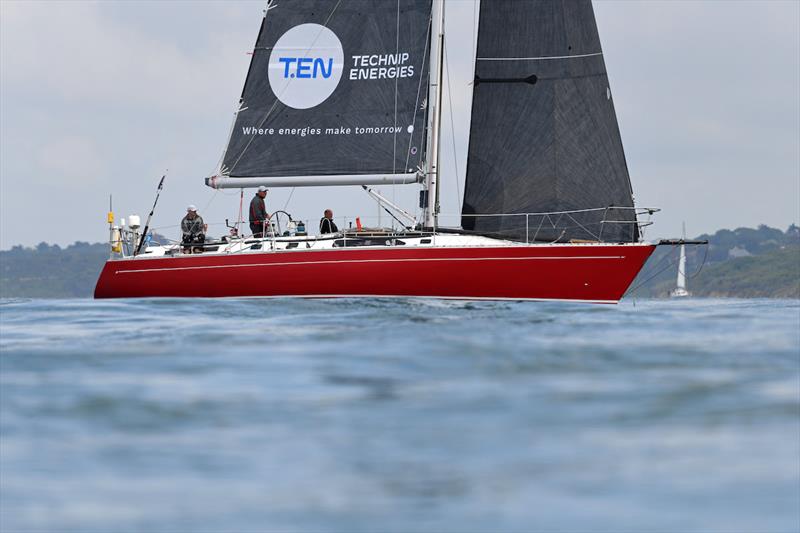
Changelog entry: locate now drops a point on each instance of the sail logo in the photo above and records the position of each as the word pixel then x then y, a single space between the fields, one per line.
pixel 305 66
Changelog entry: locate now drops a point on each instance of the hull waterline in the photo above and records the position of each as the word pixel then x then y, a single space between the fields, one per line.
pixel 589 273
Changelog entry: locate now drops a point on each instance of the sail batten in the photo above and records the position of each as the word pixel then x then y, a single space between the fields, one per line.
pixel 551 144
pixel 543 58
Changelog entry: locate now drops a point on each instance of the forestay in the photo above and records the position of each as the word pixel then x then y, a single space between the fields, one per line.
pixel 544 134
pixel 335 95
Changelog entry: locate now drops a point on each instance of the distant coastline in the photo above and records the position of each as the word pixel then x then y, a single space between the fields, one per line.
pixel 758 262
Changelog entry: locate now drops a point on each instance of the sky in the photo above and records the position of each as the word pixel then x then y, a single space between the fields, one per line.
pixel 100 98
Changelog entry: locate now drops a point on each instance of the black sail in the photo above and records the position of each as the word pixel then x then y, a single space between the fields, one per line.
pixel 334 88
pixel 544 134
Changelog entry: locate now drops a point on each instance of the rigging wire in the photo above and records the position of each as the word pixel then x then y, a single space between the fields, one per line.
pixel 291 193
pixel 240 218
pixel 671 263
pixel 416 101
pixel 702 264
pixel 452 127
pixel 211 199
pixel 658 273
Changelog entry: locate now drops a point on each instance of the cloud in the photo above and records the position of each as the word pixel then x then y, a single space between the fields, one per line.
pixel 71 159
pixel 707 99
pixel 77 51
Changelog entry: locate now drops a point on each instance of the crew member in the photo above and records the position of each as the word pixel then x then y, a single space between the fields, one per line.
pixel 326 223
pixel 194 231
pixel 258 212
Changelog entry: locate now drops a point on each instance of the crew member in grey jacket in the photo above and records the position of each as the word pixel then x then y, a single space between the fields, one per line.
pixel 194 231
pixel 258 212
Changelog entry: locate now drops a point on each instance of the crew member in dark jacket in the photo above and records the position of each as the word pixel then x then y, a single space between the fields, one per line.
pixel 258 212
pixel 326 223
pixel 194 231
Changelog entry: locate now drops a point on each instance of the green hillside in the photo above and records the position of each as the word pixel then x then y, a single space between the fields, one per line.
pixel 774 274
pixel 745 263
pixel 51 271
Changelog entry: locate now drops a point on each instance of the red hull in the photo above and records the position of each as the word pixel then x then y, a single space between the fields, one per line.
pixel 597 273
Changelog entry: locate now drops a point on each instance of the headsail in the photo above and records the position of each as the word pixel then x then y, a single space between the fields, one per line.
pixel 681 282
pixel 544 134
pixel 334 95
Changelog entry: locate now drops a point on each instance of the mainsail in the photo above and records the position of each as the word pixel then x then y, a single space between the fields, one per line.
pixel 335 95
pixel 544 134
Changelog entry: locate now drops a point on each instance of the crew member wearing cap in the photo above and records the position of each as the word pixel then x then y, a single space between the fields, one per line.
pixel 194 231
pixel 258 212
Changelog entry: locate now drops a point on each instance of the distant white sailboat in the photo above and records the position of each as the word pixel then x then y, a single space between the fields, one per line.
pixel 680 290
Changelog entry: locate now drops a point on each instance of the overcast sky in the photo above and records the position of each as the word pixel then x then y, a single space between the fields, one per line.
pixel 101 97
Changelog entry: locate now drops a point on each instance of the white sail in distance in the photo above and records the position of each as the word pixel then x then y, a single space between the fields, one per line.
pixel 680 290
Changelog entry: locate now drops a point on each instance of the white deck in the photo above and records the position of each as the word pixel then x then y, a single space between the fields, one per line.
pixel 350 241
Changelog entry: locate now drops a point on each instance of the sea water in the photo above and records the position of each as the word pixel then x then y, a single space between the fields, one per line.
pixel 399 415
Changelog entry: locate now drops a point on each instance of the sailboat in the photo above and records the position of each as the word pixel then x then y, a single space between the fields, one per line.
pixel 680 290
pixel 349 93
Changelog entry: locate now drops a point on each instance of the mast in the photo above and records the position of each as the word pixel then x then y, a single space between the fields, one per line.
pixel 431 214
